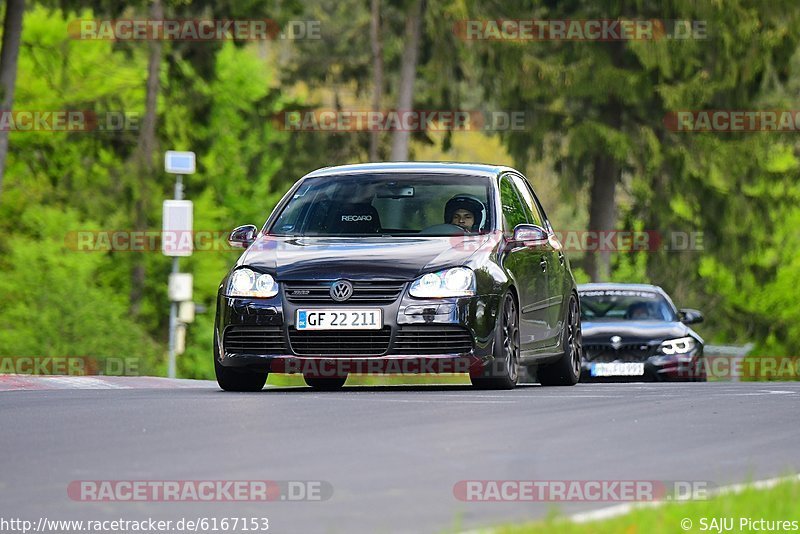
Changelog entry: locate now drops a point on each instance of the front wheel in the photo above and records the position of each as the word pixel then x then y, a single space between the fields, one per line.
pixel 503 373
pixel 231 379
pixel 566 371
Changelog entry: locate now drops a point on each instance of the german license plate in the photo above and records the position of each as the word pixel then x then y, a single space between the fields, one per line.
pixel 350 319
pixel 618 369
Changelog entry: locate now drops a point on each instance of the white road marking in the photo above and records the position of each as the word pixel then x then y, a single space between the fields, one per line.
pixel 622 509
pixel 82 382
pixel 62 382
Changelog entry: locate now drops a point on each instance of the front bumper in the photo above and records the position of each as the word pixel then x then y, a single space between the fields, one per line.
pixel 408 322
pixel 657 368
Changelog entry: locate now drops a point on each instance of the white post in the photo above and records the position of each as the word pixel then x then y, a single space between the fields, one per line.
pixel 178 163
pixel 173 306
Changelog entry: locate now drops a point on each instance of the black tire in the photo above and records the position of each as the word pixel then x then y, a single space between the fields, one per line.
pixel 503 371
pixel 233 379
pixel 566 371
pixel 326 383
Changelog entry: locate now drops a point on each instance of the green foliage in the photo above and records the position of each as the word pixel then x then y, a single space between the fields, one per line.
pixel 68 302
pixel 585 100
pixel 773 505
pixel 738 190
pixel 58 302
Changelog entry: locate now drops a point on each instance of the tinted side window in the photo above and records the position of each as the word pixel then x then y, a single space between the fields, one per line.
pixel 527 199
pixel 514 212
pixel 542 213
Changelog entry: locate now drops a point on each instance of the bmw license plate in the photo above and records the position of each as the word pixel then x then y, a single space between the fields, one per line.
pixel 350 319
pixel 618 369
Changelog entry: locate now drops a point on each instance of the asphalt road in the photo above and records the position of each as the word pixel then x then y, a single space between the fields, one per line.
pixel 392 455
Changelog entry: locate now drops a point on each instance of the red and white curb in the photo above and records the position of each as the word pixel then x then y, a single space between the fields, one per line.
pixel 49 382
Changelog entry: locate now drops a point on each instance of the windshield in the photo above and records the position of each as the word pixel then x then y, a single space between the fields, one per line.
pixel 387 204
pixel 625 305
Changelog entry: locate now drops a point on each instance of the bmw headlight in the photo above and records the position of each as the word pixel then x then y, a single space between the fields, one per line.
pixel 681 345
pixel 247 283
pixel 455 282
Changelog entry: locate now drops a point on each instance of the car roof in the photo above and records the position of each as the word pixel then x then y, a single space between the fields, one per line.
pixel 416 167
pixel 612 285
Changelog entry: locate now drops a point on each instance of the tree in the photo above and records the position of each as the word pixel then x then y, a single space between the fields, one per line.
pixel 144 167
pixel 597 109
pixel 408 76
pixel 377 72
pixel 12 33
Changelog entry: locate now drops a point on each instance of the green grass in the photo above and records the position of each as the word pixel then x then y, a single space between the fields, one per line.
pixel 780 503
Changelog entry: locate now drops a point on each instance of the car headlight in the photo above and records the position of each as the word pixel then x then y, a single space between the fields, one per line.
pixel 247 283
pixel 681 345
pixel 455 282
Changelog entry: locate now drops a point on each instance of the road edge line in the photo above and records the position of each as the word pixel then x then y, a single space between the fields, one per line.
pixel 622 509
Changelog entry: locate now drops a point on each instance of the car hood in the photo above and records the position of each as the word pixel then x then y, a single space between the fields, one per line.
pixel 397 258
pixel 634 331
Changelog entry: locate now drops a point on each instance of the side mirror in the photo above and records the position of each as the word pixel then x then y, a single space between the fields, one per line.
pixel 690 316
pixel 531 235
pixel 243 236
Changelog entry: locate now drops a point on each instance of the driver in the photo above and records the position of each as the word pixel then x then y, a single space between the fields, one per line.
pixel 638 310
pixel 465 211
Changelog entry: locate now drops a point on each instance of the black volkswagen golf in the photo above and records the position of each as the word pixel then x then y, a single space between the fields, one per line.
pixel 400 267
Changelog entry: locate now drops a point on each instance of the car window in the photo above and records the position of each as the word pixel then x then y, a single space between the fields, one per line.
pixel 527 201
pixel 538 207
pixel 624 304
pixel 514 211
pixel 382 204
pixel 542 213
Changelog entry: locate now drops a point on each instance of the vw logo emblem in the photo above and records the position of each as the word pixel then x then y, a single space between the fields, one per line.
pixel 616 342
pixel 341 290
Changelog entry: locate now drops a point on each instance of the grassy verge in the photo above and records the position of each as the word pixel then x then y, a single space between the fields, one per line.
pixel 773 505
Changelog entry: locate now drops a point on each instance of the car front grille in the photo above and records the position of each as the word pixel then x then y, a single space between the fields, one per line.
pixel 363 292
pixel 254 340
pixel 409 340
pixel 432 340
pixel 340 342
pixel 632 352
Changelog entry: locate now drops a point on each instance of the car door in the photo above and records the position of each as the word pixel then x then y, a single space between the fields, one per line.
pixel 527 266
pixel 553 257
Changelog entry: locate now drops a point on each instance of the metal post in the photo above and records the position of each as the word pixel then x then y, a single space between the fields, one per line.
pixel 173 307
